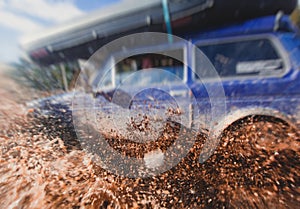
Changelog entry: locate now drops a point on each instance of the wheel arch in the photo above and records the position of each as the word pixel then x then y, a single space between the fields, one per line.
pixel 240 114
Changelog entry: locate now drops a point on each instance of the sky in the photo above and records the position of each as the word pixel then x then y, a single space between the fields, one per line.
pixel 19 18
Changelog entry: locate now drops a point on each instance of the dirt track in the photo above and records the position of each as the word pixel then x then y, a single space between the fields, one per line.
pixel 257 165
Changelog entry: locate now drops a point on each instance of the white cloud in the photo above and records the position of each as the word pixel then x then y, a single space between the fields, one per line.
pixel 28 15
pixel 25 17
pixel 50 10
pixel 18 23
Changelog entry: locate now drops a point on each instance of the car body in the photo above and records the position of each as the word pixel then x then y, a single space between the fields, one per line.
pixel 261 77
pixel 257 62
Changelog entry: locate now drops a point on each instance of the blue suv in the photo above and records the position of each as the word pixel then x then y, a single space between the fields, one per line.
pixel 257 66
pixel 252 69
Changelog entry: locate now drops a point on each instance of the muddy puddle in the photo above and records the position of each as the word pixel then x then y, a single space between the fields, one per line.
pixel 256 165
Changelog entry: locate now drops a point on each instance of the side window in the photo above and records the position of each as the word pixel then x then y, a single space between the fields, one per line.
pixel 148 62
pixel 243 58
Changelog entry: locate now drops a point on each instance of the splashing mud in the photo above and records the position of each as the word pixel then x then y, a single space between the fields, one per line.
pixel 256 165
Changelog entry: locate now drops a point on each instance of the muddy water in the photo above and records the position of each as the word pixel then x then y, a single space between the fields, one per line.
pixel 256 165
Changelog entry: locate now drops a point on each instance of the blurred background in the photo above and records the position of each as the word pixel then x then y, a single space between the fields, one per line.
pixel 23 22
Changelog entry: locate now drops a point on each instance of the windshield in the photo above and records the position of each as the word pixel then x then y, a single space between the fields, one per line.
pixel 143 69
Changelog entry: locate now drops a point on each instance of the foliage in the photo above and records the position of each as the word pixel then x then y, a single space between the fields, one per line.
pixel 44 78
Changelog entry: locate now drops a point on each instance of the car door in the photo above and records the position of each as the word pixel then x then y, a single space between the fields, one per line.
pixel 147 89
pixel 255 72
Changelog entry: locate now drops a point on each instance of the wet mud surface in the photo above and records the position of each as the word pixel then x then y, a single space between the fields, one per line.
pixel 42 165
pixel 256 165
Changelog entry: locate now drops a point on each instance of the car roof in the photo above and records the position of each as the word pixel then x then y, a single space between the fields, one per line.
pixel 267 24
